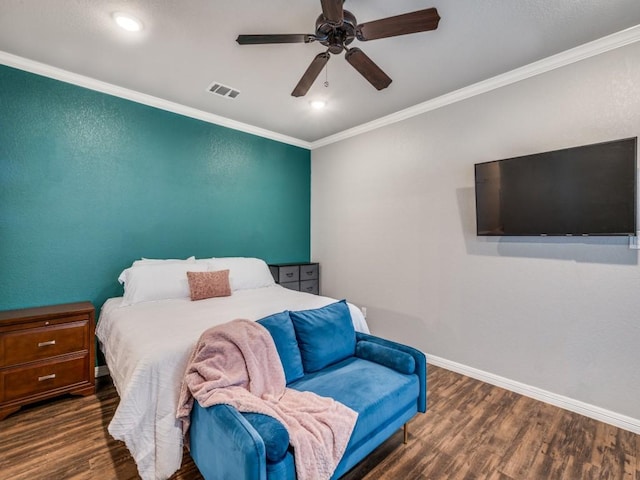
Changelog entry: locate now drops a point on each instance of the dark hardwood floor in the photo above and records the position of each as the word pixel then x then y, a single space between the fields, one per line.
pixel 472 430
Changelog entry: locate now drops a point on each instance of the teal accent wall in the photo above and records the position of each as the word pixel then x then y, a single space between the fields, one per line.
pixel 90 182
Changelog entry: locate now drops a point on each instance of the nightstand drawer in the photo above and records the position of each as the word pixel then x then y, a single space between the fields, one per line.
pixel 291 285
pixel 309 272
pixel 21 382
pixel 309 286
pixel 288 274
pixel 24 346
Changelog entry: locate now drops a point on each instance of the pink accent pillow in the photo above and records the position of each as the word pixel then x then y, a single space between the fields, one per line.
pixel 209 284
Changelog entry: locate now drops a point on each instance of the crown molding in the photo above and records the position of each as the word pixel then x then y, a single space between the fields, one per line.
pixel 582 52
pixel 138 97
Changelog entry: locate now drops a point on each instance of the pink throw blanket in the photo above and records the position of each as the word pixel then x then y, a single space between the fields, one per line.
pixel 237 364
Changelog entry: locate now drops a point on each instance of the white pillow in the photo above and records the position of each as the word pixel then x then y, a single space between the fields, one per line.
pixel 244 272
pixel 206 261
pixel 154 261
pixel 149 283
pixel 122 278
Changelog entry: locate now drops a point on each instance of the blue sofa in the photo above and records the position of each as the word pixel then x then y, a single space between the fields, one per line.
pixel 385 382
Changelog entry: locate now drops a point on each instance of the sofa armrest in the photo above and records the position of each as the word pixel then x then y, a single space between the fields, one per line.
pixel 418 356
pixel 225 445
pixel 392 358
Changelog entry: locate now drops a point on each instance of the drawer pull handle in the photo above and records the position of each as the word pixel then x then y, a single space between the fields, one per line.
pixel 47 377
pixel 290 274
pixel 309 272
pixel 45 344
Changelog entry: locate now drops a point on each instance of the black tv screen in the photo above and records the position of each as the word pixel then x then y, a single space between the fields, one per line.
pixel 588 190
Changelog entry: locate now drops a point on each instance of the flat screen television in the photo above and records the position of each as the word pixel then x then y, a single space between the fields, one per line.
pixel 588 190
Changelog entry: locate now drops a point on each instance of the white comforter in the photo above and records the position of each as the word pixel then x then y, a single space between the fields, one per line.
pixel 147 347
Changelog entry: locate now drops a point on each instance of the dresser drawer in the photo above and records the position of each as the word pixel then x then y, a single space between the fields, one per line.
pixel 291 285
pixel 43 377
pixel 309 286
pixel 309 272
pixel 288 274
pixel 24 346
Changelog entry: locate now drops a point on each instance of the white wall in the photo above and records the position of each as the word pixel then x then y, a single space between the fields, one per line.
pixel 393 225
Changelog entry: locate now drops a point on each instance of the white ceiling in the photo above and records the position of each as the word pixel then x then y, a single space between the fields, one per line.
pixel 186 45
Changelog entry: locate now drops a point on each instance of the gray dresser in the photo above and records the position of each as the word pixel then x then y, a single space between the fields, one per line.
pixel 304 277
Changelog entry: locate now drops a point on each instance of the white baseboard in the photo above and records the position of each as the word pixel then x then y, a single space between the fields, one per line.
pixel 586 409
pixel 102 371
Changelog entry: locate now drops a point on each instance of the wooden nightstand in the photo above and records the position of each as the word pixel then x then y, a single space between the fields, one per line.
pixel 45 352
pixel 304 277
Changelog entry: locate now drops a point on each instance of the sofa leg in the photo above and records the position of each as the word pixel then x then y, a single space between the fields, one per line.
pixel 406 434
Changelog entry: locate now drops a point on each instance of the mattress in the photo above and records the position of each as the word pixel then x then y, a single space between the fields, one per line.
pixel 147 346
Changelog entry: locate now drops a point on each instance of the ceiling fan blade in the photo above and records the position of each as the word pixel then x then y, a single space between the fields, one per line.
pixel 414 22
pixel 282 38
pixel 332 11
pixel 311 74
pixel 367 68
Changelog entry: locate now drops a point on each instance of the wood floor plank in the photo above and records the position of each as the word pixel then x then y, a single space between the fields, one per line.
pixel 472 431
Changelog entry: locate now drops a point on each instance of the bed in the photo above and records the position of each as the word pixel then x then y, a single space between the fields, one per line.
pixel 147 345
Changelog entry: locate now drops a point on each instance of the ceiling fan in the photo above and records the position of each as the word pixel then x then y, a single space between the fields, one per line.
pixel 336 28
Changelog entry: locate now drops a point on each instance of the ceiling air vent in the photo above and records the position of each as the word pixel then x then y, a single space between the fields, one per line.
pixel 223 90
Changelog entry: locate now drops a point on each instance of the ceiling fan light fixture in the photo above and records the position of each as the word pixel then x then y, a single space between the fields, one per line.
pixel 318 104
pixel 127 22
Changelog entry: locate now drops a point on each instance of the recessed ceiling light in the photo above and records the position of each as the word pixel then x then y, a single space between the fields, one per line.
pixel 127 22
pixel 318 104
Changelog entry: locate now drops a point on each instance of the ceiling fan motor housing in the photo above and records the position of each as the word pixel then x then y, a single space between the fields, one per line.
pixel 335 37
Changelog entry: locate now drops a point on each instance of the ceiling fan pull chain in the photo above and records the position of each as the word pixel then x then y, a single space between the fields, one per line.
pixel 326 75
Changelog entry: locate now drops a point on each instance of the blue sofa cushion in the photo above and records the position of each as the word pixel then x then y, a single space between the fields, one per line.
pixel 273 433
pixel 284 336
pixel 374 391
pixel 325 335
pixel 389 357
